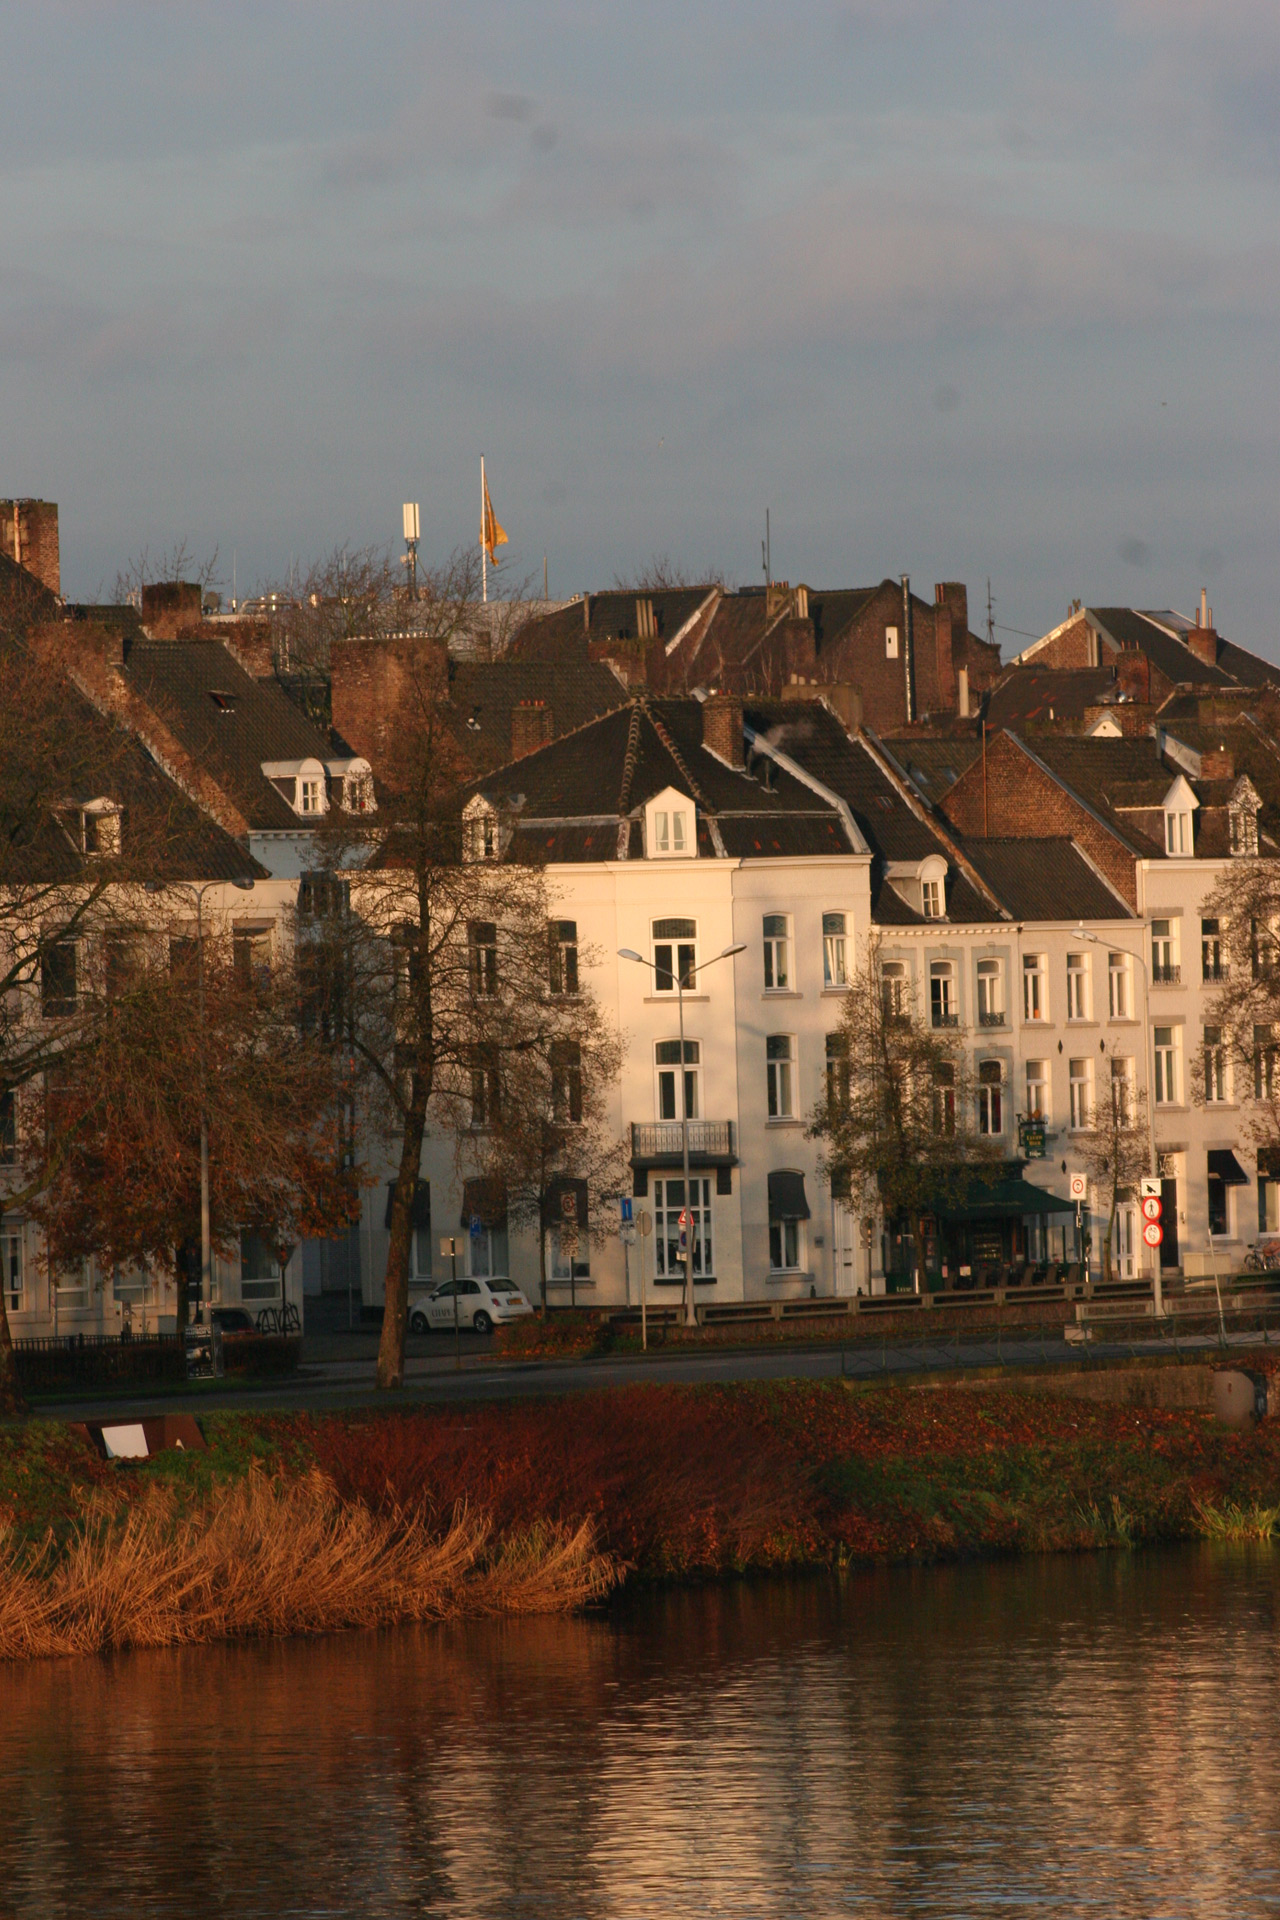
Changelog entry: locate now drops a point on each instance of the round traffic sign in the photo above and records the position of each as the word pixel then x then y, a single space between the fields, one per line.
pixel 1152 1207
pixel 1152 1233
pixel 1079 1187
pixel 686 1219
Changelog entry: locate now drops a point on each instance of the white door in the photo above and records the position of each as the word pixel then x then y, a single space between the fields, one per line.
pixel 1125 1250
pixel 844 1247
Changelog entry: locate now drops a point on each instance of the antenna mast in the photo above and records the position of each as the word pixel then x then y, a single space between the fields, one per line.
pixel 991 615
pixel 411 545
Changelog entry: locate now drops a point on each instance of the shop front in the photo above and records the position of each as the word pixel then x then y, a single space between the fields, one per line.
pixel 988 1235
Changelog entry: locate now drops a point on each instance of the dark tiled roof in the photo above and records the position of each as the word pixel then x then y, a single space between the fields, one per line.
pixel 22 596
pixel 1045 880
pixel 566 634
pixel 484 695
pixel 1129 628
pixel 178 678
pixel 812 736
pixel 1048 694
pixel 933 763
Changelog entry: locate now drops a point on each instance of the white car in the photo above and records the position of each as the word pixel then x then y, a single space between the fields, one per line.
pixel 482 1305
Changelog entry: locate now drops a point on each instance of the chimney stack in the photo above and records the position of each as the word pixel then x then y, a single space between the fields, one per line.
pixel 1218 763
pixel 171 608
pixel 944 661
pixel 962 678
pixel 530 727
pixel 722 727
pixel 29 535
pixel 1203 619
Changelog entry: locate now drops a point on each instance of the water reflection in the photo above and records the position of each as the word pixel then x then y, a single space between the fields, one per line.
pixel 1062 1736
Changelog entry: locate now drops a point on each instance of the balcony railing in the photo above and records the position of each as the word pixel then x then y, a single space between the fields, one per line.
pixel 991 1019
pixel 945 1019
pixel 657 1143
pixel 1166 976
pixel 1214 974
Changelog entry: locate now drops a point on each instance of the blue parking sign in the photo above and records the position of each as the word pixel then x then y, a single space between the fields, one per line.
pixel 477 1226
pixel 624 1202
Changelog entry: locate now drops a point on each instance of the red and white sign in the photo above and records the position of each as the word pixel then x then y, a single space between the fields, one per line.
pixel 1152 1233
pixel 1079 1187
pixel 686 1220
pixel 1152 1207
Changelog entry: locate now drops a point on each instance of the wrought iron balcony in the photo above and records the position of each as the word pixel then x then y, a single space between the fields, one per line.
pixel 1214 974
pixel 943 1019
pixel 991 1019
pixel 657 1143
pixel 1166 976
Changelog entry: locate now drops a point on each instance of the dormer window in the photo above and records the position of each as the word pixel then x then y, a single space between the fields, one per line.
pixel 669 831
pixel 301 783
pixel 480 836
pixel 1179 804
pixel 310 796
pixel 351 785
pixel 1177 833
pixel 1242 813
pixel 671 826
pixel 931 899
pixel 93 827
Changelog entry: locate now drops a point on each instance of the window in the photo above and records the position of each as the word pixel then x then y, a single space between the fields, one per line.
pixel 71 1286
pixel 1244 830
pixel 667 1058
pixel 486 1088
pixel 566 1082
pixel 322 896
pixel 420 1249
pixel 564 956
pixel 1034 998
pixel 12 1265
pixel 1037 1090
pixel 944 1099
pixel 1081 1072
pixel 184 958
pixel 129 1286
pixel 1264 1063
pixel 482 835
pixel 8 1128
pixel 1219 1217
pixel 1177 833
pixel 894 990
pixel 124 960
pixel 1263 946
pixel 482 940
pixel 784 1246
pixel 990 993
pixel 835 966
pixel 780 1055
pixel 488 1254
pixel 357 792
pixel 59 976
pixel 837 1072
pixel 1121 1091
pixel 1118 985
pixel 671 831
pixel 260 1275
pixel 101 829
pixel 568 1253
pixel 1212 966
pixel 1215 1066
pixel 942 994
pixel 990 1097
pixel 1164 968
pixel 931 899
pixel 777 947
pixel 310 794
pixel 1166 1067
pixel 1077 986
pixel 668 1204
pixel 675 954
pixel 891 643
pixel 251 958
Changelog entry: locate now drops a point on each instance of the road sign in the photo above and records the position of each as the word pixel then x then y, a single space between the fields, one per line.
pixel 644 1220
pixel 1079 1187
pixel 686 1219
pixel 1152 1232
pixel 624 1205
pixel 1150 1187
pixel 477 1226
pixel 1152 1206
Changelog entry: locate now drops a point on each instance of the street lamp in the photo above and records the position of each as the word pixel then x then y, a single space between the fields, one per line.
pixel 206 1247
pixel 626 953
pixel 1082 933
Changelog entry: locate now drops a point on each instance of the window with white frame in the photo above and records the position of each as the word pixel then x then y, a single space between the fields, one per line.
pixel 1164 954
pixel 891 643
pixel 675 955
pixel 668 1204
pixel 1177 834
pixel 129 1286
pixel 482 957
pixel 944 1099
pixel 13 1279
pixel 1244 829
pixel 72 1285
pixel 1213 966
pixel 1165 1041
pixel 1264 1063
pixel 261 1277
pixel 488 1254
pixel 777 953
pixel 1118 1002
pixel 1077 986
pixel 835 961
pixel 667 1067
pixel 1081 1087
pixel 563 956
pixel 943 1011
pixel 837 1072
pixel 990 1097
pixel 1035 999
pixel 1215 1066
pixel 779 1066
pixel 1037 1090
pixel 566 1082
pixel 486 1088
pixel 59 978
pixel 931 899
pixel 310 794
pixel 990 993
pixel 894 989
pixel 481 834
pixel 672 833
pixel 785 1240
pixel 1121 1090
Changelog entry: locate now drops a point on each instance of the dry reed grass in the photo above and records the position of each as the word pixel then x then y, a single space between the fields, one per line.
pixel 266 1556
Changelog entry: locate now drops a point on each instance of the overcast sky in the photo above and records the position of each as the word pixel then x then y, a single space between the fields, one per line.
pixel 965 290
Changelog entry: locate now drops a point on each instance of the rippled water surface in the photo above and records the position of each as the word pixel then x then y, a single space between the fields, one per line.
pixel 1066 1736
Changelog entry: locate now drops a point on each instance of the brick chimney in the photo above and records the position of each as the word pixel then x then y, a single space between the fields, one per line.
pixel 954 594
pixel 722 727
pixel 29 535
pixel 1203 638
pixel 1218 763
pixel 171 607
pixel 530 727
pixel 944 662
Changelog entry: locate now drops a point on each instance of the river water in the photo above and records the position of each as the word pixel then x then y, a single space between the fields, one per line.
pixel 1075 1736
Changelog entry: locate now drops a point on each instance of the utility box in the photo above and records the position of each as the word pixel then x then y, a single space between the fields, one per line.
pixel 1240 1398
pixel 203 1346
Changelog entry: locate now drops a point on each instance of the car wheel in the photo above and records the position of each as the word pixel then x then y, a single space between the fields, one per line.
pixel 418 1323
pixel 480 1322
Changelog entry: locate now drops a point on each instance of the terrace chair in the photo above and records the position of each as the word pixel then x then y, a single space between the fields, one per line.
pixel 1072 1276
pixel 1017 1274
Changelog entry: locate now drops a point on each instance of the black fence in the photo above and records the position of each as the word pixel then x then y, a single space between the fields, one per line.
pixel 97 1360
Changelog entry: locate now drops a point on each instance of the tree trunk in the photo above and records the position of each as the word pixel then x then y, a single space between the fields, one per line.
pixel 395 1309
pixel 13 1401
pixel 917 1240
pixel 1108 1274
pixel 542 1263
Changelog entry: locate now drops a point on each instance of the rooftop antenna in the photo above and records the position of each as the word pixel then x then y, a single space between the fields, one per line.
pixel 234 602
pixel 766 552
pixel 991 615
pixel 411 545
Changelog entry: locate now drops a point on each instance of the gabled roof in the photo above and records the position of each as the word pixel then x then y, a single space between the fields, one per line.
pixel 1127 627
pixel 933 762
pixel 567 633
pixel 1048 695
pixel 1049 879
pixel 251 721
pixel 484 694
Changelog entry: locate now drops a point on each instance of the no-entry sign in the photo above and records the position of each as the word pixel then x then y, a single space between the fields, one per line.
pixel 1152 1233
pixel 1152 1207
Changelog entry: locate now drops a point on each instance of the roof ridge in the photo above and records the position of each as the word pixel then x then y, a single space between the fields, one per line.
pixel 660 729
pixel 629 757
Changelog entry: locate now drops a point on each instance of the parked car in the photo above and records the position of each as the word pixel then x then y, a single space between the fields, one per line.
pixel 233 1320
pixel 482 1305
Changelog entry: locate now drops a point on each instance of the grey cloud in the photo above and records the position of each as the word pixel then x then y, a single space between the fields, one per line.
pixel 946 398
pixel 1134 553
pixel 509 106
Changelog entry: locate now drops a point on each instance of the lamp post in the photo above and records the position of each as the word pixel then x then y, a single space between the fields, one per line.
pixel 626 953
pixel 1082 933
pixel 206 1237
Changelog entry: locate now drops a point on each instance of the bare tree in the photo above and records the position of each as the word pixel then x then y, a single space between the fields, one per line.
pixel 1240 1058
pixel 171 565
pixel 661 574
pixel 1115 1148
pixel 897 1118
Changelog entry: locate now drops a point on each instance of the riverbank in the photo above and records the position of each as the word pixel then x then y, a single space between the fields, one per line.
pixel 303 1523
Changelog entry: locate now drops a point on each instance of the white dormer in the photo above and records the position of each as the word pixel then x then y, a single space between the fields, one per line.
pixel 922 884
pixel 352 784
pixel 1242 811
pixel 301 783
pixel 671 826
pixel 94 826
pixel 1105 727
pixel 1178 805
pixel 481 838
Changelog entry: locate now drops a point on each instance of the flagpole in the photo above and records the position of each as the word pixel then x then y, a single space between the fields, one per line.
pixel 484 564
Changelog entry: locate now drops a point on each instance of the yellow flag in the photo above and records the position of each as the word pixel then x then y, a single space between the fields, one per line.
pixel 491 534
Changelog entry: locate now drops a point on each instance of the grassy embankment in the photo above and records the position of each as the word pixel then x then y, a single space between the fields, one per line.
pixel 306 1523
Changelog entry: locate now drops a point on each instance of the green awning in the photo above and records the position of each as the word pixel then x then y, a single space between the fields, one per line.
pixel 1005 1199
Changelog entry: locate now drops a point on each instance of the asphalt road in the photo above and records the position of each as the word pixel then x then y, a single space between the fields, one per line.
pixel 437 1379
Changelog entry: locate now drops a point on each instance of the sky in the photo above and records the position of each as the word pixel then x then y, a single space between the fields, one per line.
pixel 980 291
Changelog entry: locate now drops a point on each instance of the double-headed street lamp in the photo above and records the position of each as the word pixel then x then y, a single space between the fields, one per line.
pixel 626 953
pixel 206 1238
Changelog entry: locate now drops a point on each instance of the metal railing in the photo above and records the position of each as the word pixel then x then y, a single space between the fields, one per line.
pixel 1166 976
pixel 991 1019
pixel 660 1140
